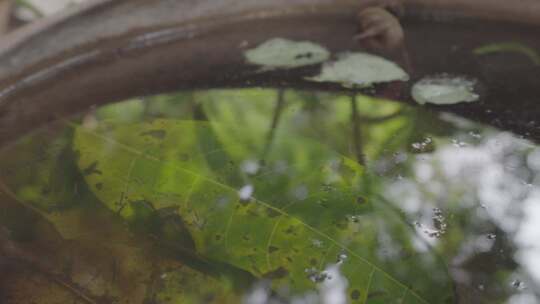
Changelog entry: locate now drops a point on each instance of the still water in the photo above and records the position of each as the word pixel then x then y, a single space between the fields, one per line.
pixel 269 196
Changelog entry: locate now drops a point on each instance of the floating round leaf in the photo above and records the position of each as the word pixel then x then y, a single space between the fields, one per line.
pixel 444 90
pixel 279 53
pixel 360 70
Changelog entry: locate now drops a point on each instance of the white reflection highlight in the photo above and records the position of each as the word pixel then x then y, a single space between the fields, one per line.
pixel 496 177
pixel 331 286
pixel 526 298
pixel 528 236
pixel 259 295
pixel 334 289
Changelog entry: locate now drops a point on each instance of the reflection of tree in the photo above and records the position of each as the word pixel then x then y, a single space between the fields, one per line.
pixel 280 104
pixel 357 132
pixel 469 177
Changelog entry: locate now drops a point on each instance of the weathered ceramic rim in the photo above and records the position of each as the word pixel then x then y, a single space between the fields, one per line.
pixel 110 50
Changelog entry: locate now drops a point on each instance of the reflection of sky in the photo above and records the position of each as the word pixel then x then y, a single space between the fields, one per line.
pixel 492 179
pixel 528 236
pixel 496 177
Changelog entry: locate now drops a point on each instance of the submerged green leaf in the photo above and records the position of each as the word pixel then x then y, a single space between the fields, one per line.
pixel 306 211
pixel 71 249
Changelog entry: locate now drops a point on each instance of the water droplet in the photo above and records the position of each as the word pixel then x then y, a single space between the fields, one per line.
pixel 317 276
pixel 342 257
pixel 518 284
pixel 327 187
pixel 439 225
pixel 474 134
pixel 458 144
pixel 439 221
pixel 353 218
pixel 433 233
pixel 423 146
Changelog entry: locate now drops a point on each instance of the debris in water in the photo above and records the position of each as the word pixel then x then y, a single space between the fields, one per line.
pixel 353 218
pixel 317 276
pixel 439 225
pixel 518 284
pixel 424 146
pixel 439 221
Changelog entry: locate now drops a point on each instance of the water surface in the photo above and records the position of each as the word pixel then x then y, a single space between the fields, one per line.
pixel 269 196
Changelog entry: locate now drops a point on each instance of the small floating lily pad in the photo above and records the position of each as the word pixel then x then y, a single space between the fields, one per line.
pixel 444 90
pixel 360 70
pixel 279 53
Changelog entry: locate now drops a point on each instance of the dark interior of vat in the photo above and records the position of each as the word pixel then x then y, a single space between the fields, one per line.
pixel 147 158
